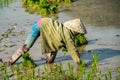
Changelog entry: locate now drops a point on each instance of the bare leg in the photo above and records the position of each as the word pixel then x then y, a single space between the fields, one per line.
pixel 51 57
pixel 33 35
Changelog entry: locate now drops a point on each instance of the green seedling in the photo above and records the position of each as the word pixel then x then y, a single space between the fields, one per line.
pixel 56 71
pixel 6 77
pixel 70 69
pixel 44 7
pixel 110 74
pixel 80 40
pixel 27 61
pixel 94 71
pixel 119 71
pixel 80 71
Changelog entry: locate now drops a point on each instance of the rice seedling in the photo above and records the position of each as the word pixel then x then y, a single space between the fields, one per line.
pixel 56 71
pixel 80 40
pixel 44 7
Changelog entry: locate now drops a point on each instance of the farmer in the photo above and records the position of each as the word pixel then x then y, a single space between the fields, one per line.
pixel 53 36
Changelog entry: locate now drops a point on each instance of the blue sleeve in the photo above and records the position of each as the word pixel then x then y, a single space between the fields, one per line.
pixel 33 35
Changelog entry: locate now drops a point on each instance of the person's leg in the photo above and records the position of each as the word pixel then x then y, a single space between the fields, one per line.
pixel 33 35
pixel 51 57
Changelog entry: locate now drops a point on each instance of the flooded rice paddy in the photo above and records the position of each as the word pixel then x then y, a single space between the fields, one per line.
pixel 102 21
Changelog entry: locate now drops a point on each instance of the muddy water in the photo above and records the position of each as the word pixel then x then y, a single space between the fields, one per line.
pixel 101 18
pixel 97 12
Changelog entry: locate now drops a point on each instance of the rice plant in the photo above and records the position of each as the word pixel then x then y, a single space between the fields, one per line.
pixel 56 71
pixel 44 7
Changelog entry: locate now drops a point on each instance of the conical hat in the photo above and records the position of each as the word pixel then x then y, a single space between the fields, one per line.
pixel 75 25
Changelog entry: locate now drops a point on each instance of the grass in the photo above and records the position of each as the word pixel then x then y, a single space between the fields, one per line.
pixel 55 71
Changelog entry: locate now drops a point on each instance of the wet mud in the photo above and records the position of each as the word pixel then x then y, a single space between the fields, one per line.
pixel 101 18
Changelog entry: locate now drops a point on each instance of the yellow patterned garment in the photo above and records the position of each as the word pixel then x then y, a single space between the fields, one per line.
pixel 54 35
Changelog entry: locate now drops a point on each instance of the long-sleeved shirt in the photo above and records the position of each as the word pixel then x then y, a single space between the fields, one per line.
pixel 53 35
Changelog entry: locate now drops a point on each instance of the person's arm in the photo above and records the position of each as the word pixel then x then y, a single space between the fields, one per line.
pixel 71 47
pixel 33 35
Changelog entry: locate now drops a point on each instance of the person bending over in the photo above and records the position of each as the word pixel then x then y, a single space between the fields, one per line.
pixel 53 35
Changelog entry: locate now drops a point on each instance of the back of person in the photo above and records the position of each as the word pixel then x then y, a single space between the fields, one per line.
pixel 52 35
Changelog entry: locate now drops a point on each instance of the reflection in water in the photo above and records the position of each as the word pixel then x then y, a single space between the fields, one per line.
pixel 5 3
pixel 97 12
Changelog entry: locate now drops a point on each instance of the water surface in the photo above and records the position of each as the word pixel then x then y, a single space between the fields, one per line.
pixel 101 18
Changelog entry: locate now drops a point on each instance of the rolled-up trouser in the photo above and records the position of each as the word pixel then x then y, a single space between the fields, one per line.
pixel 33 35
